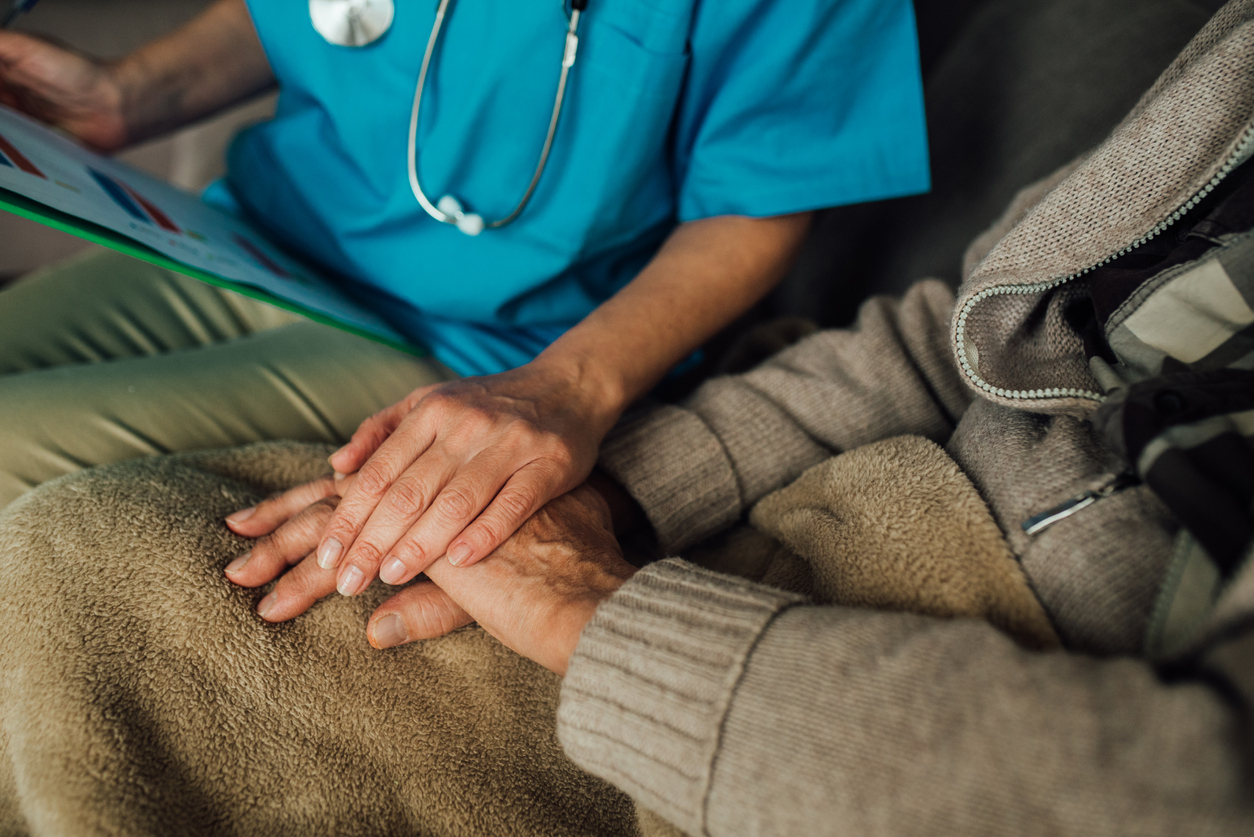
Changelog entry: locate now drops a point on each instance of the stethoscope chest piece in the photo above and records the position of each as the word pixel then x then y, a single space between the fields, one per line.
pixel 351 23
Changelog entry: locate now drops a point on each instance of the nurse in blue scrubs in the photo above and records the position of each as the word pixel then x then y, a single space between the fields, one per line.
pixel 694 139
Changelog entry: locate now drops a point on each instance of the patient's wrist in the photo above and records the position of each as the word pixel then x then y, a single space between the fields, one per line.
pixel 624 510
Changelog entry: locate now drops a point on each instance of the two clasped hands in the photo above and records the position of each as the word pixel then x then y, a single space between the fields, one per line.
pixel 441 480
pixel 495 467
pixel 452 475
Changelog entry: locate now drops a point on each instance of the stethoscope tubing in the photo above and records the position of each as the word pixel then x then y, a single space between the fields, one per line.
pixel 457 217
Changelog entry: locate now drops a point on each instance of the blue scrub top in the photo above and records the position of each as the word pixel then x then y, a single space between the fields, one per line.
pixel 677 110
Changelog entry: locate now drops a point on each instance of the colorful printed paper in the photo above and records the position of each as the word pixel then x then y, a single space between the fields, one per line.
pixel 47 177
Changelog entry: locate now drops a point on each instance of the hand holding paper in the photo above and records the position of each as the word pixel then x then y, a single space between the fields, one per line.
pixel 47 178
pixel 72 92
pixel 210 64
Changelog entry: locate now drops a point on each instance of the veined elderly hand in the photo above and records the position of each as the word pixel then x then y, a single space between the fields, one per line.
pixel 536 592
pixel 455 468
pixel 451 471
pixel 535 595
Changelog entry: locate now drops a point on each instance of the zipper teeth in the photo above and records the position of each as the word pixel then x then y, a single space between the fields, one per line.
pixel 1041 521
pixel 1247 139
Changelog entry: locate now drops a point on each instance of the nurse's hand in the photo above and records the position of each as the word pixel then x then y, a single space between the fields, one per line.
pixel 561 563
pixel 210 63
pixel 62 88
pixel 286 528
pixel 456 468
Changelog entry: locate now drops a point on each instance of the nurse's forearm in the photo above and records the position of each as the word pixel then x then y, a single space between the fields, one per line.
pixel 209 64
pixel 707 274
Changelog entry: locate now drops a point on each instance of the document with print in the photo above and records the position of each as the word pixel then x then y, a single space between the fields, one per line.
pixel 50 179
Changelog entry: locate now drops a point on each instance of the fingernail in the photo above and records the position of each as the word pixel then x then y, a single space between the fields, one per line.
pixel 266 605
pixel 393 571
pixel 329 553
pixel 459 554
pixel 390 631
pixel 338 477
pixel 350 580
pixel 238 564
pixel 241 515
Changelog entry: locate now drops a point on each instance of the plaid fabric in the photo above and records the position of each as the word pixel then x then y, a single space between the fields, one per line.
pixel 1169 329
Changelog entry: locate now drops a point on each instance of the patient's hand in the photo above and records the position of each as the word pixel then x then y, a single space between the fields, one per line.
pixel 455 468
pixel 288 528
pixel 535 594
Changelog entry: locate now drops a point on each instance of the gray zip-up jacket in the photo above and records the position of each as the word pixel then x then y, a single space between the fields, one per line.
pixel 1093 380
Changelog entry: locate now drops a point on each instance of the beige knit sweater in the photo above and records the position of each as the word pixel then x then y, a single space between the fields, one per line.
pixel 732 708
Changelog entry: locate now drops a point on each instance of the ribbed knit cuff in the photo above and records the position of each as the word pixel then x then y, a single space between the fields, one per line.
pixel 674 466
pixel 651 680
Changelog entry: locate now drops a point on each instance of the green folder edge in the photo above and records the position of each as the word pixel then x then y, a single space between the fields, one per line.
pixel 96 234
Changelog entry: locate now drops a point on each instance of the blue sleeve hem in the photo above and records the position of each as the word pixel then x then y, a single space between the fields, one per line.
pixel 812 195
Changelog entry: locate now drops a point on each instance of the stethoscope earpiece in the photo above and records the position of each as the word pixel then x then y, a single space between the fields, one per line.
pixel 449 210
pixel 357 23
pixel 467 222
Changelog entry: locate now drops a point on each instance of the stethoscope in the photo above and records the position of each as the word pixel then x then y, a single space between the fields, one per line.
pixel 356 23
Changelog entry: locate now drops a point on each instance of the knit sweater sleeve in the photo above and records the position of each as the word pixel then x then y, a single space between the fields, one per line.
pixel 731 708
pixel 694 468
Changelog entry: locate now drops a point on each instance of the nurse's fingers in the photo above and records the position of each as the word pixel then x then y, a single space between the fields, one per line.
pixel 268 515
pixel 375 479
pixel 524 495
pixel 404 505
pixel 420 611
pixel 374 431
pixel 458 503
pixel 297 591
pixel 287 545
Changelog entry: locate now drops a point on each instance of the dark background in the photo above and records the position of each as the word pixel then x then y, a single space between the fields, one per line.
pixel 1014 88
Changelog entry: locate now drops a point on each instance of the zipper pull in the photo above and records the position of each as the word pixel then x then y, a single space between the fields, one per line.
pixel 1040 522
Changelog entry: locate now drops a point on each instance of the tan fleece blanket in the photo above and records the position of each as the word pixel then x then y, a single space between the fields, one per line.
pixel 896 525
pixel 140 695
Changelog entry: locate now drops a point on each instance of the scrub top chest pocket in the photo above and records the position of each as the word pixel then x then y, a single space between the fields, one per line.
pixel 620 59
pixel 612 156
pixel 489 113
pixel 676 110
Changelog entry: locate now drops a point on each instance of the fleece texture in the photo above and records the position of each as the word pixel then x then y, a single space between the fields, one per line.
pixel 142 695
pixel 896 525
pixel 827 718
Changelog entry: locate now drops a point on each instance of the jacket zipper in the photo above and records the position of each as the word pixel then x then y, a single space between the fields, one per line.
pixel 1239 152
pixel 1040 522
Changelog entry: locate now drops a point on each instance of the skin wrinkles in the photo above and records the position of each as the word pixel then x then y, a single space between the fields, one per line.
pixel 535 595
pixel 454 469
